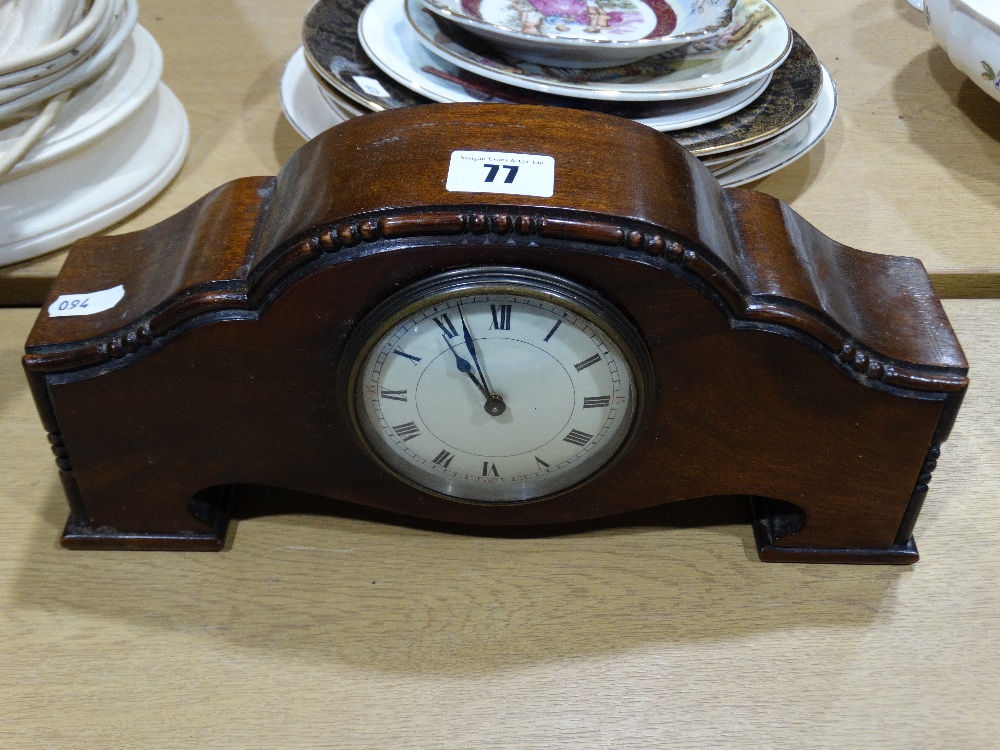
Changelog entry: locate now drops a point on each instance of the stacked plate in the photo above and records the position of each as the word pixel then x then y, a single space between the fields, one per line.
pixel 747 100
pixel 87 136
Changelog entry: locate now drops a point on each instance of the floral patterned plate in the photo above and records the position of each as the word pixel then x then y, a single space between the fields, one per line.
pixel 389 40
pixel 335 54
pixel 753 45
pixel 587 33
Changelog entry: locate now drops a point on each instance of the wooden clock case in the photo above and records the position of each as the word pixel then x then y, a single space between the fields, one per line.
pixel 815 379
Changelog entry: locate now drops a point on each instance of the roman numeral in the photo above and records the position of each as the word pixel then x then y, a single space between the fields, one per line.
pixel 489 468
pixel 410 357
pixel 541 463
pixel 444 459
pixel 581 366
pixel 406 431
pixel 577 438
pixel 393 395
pixel 552 331
pixel 596 402
pixel 501 317
pixel 447 327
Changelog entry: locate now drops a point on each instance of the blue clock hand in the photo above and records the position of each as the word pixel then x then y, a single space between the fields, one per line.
pixel 471 346
pixel 463 366
pixel 494 405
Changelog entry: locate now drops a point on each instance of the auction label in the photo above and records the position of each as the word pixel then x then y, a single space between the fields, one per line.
pixel 371 87
pixel 498 172
pixel 86 304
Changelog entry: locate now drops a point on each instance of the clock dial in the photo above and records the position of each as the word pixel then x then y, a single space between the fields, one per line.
pixel 496 385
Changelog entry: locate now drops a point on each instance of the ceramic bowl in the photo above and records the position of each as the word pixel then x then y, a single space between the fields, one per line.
pixel 586 33
pixel 969 31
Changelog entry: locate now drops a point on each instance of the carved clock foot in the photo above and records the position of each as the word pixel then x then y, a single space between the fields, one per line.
pixel 208 513
pixel 772 522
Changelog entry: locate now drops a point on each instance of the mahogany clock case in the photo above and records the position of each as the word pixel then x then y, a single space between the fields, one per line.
pixel 816 379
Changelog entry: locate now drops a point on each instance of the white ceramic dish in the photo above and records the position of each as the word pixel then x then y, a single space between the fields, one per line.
pixel 93 188
pixel 310 109
pixel 97 107
pixel 340 104
pixel 754 45
pixel 792 146
pixel 969 31
pixel 587 33
pixel 391 43
pixel 302 99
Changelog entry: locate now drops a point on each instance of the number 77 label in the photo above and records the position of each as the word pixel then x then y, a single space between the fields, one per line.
pixel 499 172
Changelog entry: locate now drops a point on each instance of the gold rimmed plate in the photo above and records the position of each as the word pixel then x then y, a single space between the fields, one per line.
pixel 335 54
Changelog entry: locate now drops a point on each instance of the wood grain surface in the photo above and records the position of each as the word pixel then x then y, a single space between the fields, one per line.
pixel 345 631
pixel 909 168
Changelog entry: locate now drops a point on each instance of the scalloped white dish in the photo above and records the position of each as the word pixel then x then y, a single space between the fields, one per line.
pixel 94 109
pixel 587 33
pixel 49 208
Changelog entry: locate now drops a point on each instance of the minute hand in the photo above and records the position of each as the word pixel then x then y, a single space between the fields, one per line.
pixel 471 346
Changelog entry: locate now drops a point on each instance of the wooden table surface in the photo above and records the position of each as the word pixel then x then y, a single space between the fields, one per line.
pixel 910 167
pixel 344 631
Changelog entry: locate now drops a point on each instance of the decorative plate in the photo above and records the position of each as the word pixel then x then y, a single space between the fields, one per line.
pixel 587 33
pixel 788 99
pixel 335 53
pixel 748 49
pixel 391 43
pixel 801 140
pixel 311 107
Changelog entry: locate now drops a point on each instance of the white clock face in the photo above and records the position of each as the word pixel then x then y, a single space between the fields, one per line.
pixel 495 387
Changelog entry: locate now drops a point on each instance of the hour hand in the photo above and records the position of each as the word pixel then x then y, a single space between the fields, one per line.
pixel 465 366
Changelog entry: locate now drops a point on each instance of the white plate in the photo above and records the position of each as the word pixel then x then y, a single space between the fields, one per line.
pixel 96 108
pixel 800 140
pixel 340 105
pixel 392 44
pixel 93 188
pixel 757 43
pixel 302 99
pixel 307 108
